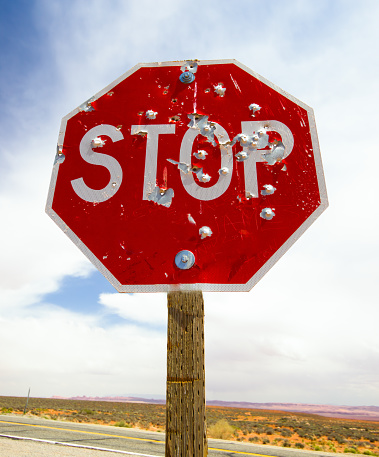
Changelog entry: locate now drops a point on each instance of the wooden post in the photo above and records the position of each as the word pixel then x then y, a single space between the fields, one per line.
pixel 185 399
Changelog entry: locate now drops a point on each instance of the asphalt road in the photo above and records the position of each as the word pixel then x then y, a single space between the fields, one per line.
pixel 123 440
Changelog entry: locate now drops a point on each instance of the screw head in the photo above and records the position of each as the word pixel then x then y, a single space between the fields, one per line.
pixel 184 260
pixel 187 77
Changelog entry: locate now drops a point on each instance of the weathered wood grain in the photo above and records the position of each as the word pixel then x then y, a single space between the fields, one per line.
pixel 185 406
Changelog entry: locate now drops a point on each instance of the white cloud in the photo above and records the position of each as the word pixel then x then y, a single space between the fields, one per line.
pixel 307 332
pixel 56 352
pixel 140 309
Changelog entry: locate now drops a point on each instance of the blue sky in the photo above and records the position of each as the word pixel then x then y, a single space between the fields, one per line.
pixel 307 332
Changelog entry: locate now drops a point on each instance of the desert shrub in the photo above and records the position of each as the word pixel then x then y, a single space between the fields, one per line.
pixel 144 423
pixel 286 443
pixel 360 443
pixel 299 445
pixel 286 433
pixel 6 410
pixel 269 431
pixel 122 423
pixel 265 441
pixel 350 450
pixel 221 430
pixel 304 434
pixel 253 439
pixel 340 440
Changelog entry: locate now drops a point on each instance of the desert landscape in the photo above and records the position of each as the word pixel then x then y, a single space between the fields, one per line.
pixel 301 430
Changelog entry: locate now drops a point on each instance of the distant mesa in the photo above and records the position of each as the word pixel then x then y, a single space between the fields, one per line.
pixel 343 412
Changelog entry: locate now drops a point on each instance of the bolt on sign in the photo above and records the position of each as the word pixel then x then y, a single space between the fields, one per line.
pixel 194 175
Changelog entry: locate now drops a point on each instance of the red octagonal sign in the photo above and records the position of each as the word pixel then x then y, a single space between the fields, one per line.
pixel 194 175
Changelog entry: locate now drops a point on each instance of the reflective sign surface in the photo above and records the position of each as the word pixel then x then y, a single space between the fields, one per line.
pixel 187 175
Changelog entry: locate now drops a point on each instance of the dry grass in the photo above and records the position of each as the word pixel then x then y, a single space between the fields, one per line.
pixel 221 430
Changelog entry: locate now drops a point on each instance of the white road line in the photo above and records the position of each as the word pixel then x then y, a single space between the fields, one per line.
pixel 77 445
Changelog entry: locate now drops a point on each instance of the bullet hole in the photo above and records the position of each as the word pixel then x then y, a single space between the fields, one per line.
pixel 174 119
pixel 267 213
pixel 254 108
pixel 204 232
pixel 161 197
pixel 150 114
pixel 205 127
pixel 201 154
pixel 268 189
pixel 190 66
pixel 187 169
pixel 276 153
pixel 220 90
pixel 241 156
pixel 224 171
pixel 97 143
pixel 87 105
pixel 59 157
pixel 183 167
pixel 203 177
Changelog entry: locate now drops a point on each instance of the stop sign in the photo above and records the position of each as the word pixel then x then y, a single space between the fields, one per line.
pixel 194 175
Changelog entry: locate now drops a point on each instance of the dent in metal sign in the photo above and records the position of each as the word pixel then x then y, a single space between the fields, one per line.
pixel 194 175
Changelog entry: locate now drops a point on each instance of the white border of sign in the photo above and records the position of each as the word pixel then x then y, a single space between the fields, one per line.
pixel 201 286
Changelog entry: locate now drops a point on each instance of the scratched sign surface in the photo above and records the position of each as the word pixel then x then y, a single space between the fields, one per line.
pixel 193 175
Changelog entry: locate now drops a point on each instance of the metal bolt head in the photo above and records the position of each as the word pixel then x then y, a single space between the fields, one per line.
pixel 184 260
pixel 187 77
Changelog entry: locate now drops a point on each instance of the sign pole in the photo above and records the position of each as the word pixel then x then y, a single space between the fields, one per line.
pixel 185 399
pixel 27 401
